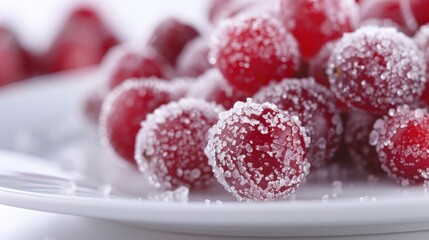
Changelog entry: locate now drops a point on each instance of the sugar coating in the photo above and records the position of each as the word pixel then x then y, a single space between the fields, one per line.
pixel 315 107
pixel 125 107
pixel 357 131
pixel 376 68
pixel 213 87
pixel 422 40
pixel 258 152
pixel 401 140
pixel 252 50
pixel 170 144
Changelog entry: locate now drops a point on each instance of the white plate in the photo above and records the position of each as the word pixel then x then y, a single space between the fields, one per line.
pixel 40 110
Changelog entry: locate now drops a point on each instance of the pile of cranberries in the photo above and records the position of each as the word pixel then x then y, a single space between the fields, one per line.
pixel 273 92
pixel 82 41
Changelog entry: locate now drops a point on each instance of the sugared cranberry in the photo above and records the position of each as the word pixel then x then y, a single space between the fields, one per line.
pixel 124 64
pixel 422 40
pixel 12 58
pixel 315 107
pixel 194 59
pixel 213 87
pixel 258 152
pixel 124 109
pixel 358 128
pixel 401 139
pixel 375 69
pixel 83 41
pixel 170 144
pixel 250 51
pixel 170 37
pixel 314 23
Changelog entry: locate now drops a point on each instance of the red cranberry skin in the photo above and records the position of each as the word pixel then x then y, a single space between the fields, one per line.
pixel 170 145
pixel 83 41
pixel 13 65
pixel 315 107
pixel 358 129
pixel 314 23
pixel 319 64
pixel 125 64
pixel 251 51
pixel 401 139
pixel 385 10
pixel 125 108
pixel 170 37
pixel 422 40
pixel 258 152
pixel 419 9
pixel 375 69
pixel 194 59
pixel 213 87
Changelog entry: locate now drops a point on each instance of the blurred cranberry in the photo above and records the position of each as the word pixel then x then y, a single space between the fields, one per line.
pixel 13 61
pixel 170 38
pixel 233 8
pixel 193 61
pixel 124 64
pixel 217 7
pixel 83 41
pixel 385 9
pixel 420 10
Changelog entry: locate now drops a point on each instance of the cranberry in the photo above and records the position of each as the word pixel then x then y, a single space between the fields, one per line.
pixel 170 37
pixel 250 51
pixel 375 69
pixel 12 58
pixel 314 23
pixel 358 128
pixel 213 87
pixel 83 41
pixel 315 107
pixel 258 152
pixel 401 139
pixel 217 7
pixel 125 107
pixel 124 64
pixel 422 40
pixel 170 144
pixel 194 59
pixel 419 9
pixel 319 64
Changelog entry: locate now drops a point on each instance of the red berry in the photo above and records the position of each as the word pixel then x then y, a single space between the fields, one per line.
pixel 319 64
pixel 358 129
pixel 124 109
pixel 170 37
pixel 124 64
pixel 387 10
pixel 402 143
pixel 250 51
pixel 258 152
pixel 419 9
pixel 83 41
pixel 170 144
pixel 194 59
pixel 314 23
pixel 213 87
pixel 315 107
pixel 217 7
pixel 422 40
pixel 375 69
pixel 12 58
